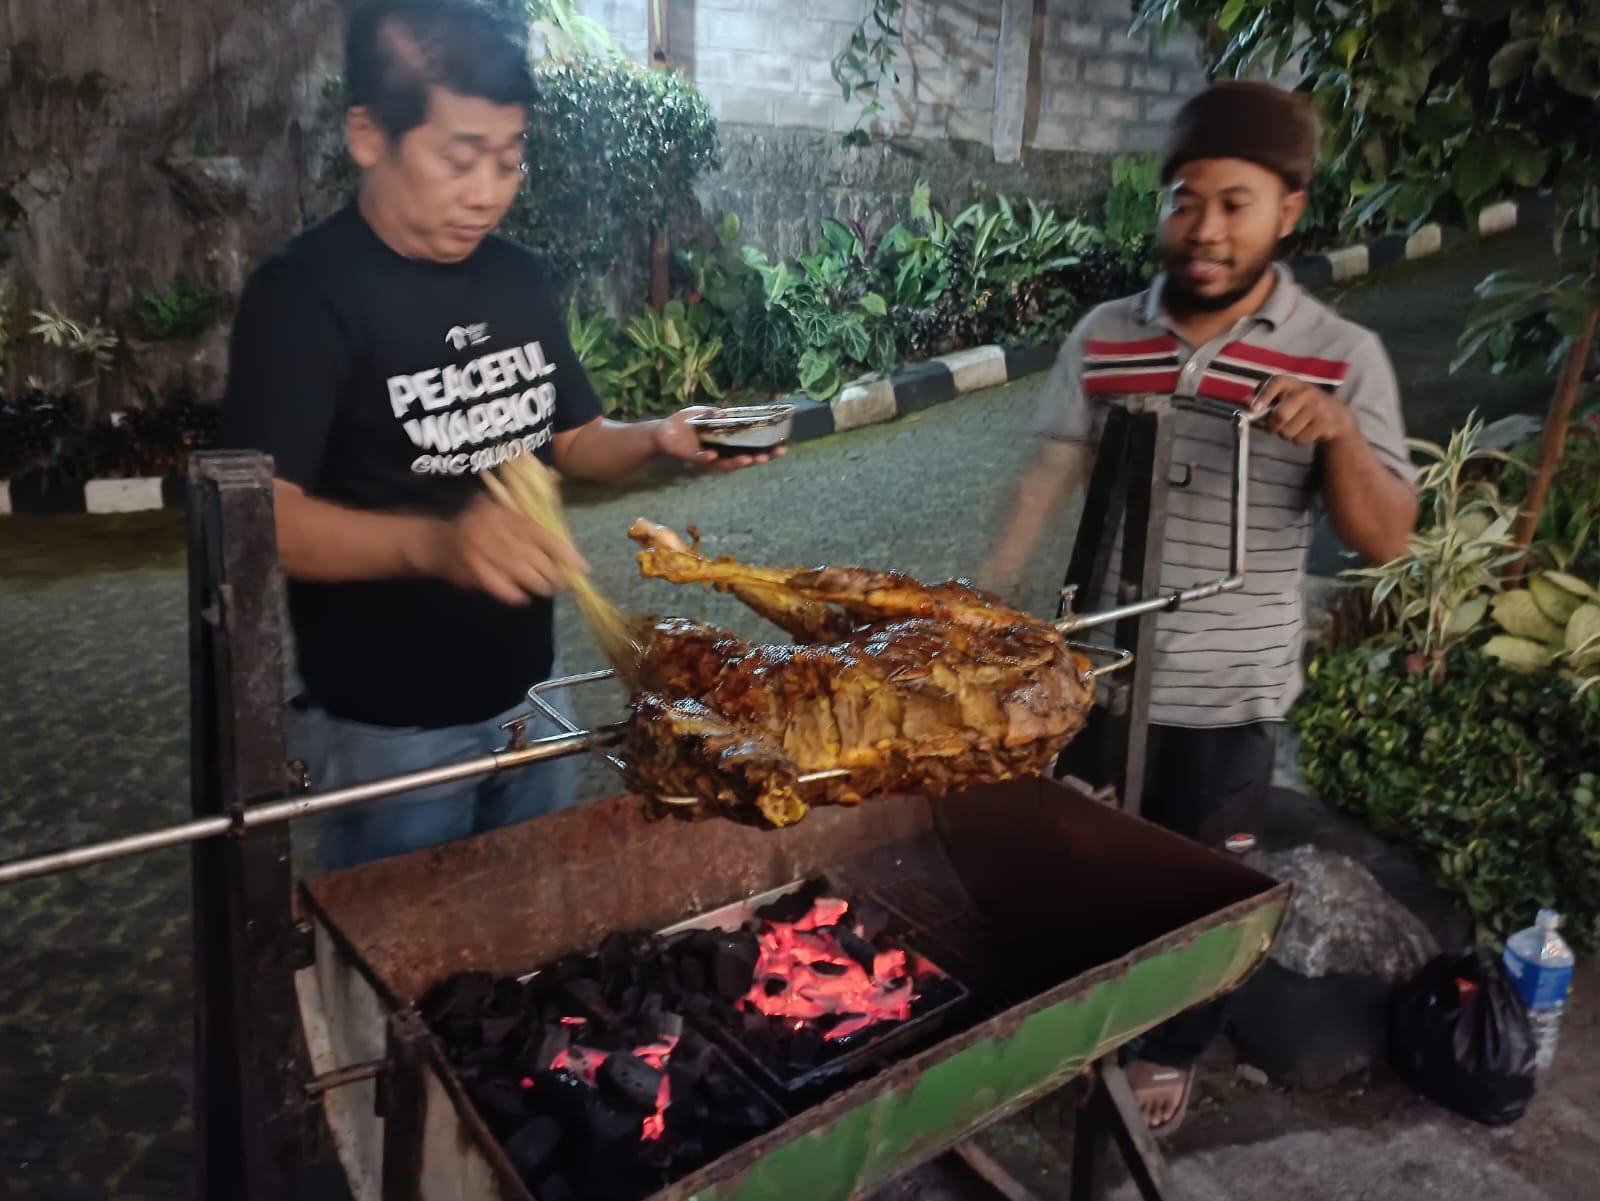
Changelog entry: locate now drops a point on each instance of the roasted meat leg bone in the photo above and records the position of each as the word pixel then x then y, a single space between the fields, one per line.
pixel 911 688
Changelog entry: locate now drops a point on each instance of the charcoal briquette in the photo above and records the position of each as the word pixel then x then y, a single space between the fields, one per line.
pixel 872 920
pixel 555 1040
pixel 858 948
pixel 463 995
pixel 585 992
pixel 530 1148
pixel 793 906
pixel 733 963
pixel 630 1081
pixel 651 1009
pixel 615 962
pixel 669 1025
pixel 507 997
pixel 555 1187
pixel 501 1103
pixel 692 974
pixel 495 1031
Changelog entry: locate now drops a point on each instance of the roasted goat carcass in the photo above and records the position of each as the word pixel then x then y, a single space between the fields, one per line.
pixel 896 686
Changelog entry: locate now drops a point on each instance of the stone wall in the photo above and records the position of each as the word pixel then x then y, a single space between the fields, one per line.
pixel 145 143
pixel 1078 85
pixel 767 63
pixel 782 181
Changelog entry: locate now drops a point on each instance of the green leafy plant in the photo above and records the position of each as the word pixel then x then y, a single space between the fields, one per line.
pixel 1132 209
pixel 86 340
pixel 181 310
pixel 682 351
pixel 617 366
pixel 1489 773
pixel 621 148
pixel 866 61
pixel 567 33
pixel 1522 322
pixel 1568 534
pixel 761 347
pixel 1553 622
pixel 1438 593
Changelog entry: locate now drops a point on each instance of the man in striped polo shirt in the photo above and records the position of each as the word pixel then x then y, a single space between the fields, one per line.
pixel 1224 321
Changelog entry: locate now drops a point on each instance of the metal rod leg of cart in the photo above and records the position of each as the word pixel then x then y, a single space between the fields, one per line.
pixel 254 1138
pixel 1127 490
pixel 1110 1116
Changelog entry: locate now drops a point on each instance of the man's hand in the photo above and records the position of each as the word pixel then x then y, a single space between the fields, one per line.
pixel 676 438
pixel 1306 415
pixel 489 548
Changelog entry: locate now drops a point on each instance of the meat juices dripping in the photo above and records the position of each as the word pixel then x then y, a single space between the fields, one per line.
pixel 584 1063
pixel 805 974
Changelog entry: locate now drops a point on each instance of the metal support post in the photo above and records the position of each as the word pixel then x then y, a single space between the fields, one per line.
pixel 256 1139
pixel 1128 492
pixel 1111 1115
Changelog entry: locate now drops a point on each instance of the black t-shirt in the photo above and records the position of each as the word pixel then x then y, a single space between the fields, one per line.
pixel 386 383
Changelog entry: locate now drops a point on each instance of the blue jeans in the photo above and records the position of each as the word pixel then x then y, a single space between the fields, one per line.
pixel 338 753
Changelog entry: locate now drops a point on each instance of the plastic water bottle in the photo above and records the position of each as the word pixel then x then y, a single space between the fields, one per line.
pixel 1539 963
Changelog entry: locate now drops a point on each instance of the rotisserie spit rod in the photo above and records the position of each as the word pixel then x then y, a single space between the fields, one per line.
pixel 516 755
pixel 519 754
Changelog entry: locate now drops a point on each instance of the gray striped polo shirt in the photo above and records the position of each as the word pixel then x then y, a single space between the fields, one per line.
pixel 1235 658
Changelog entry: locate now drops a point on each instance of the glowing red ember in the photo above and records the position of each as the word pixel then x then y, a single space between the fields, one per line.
pixel 584 1062
pixel 803 973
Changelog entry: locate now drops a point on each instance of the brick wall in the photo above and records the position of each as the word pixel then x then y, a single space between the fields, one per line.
pixel 1102 89
pixel 766 63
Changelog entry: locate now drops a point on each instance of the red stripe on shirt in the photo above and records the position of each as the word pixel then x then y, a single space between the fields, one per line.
pixel 1286 364
pixel 1161 345
pixel 1131 384
pixel 1217 388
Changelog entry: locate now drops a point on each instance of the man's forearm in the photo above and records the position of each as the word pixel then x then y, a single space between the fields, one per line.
pixel 1373 511
pixel 1057 470
pixel 320 540
pixel 605 451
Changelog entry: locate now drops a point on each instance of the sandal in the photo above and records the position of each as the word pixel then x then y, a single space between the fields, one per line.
pixel 1143 1075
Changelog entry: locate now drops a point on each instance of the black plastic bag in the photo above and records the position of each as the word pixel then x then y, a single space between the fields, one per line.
pixel 1459 1035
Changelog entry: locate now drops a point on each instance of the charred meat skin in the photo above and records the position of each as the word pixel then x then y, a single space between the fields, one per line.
pixel 910 688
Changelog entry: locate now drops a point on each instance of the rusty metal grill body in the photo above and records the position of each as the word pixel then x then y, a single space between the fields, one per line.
pixel 1075 927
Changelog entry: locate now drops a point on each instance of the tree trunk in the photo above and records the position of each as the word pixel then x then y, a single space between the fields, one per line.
pixel 660 259
pixel 660 248
pixel 1552 444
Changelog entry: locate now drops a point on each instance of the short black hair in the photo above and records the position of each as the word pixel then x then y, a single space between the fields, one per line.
pixel 395 50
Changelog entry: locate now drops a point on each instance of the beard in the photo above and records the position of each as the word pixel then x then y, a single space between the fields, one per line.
pixel 1181 300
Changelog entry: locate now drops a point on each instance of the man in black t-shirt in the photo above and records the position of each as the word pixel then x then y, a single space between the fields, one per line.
pixel 385 358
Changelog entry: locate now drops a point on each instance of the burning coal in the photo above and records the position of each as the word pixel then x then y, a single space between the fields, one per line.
pixel 607 1076
pixel 823 967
